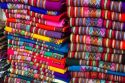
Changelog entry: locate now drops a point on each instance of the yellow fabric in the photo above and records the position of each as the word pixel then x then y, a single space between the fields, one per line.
pixel 40 37
pixel 62 71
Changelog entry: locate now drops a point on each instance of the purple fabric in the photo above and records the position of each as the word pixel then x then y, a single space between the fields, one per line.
pixel 123 6
pixel 65 76
pixel 124 27
pixel 54 6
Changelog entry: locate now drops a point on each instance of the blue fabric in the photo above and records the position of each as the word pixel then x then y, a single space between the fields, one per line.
pixel 32 8
pixel 91 68
pixel 3 5
pixel 41 11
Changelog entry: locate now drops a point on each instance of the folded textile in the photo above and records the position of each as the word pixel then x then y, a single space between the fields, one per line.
pixel 36 36
pixel 40 47
pixel 29 24
pixel 94 22
pixel 93 69
pixel 46 4
pixel 31 8
pixel 100 64
pixel 77 47
pixel 97 75
pixel 81 3
pixel 48 44
pixel 117 6
pixel 36 15
pixel 37 30
pixel 91 22
pixel 99 32
pixel 116 58
pixel 88 80
pixel 97 13
pixel 16 17
pixel 98 41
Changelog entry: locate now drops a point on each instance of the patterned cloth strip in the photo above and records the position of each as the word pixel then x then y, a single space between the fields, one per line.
pixel 36 15
pixel 24 39
pixel 97 22
pixel 116 6
pixel 116 58
pixel 62 51
pixel 22 79
pixel 45 53
pixel 29 24
pixel 30 45
pixel 35 36
pixel 49 5
pixel 76 47
pixel 37 30
pixel 99 32
pixel 97 13
pixel 27 7
pixel 53 62
pixel 97 75
pixel 93 69
pixel 101 64
pixel 35 74
pixel 42 65
pixel 88 80
pixel 31 73
pixel 98 41
pixel 17 18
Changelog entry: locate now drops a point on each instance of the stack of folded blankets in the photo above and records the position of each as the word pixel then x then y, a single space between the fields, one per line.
pixel 97 38
pixel 38 36
pixel 3 50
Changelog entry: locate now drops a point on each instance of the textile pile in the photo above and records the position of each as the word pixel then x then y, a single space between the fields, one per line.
pixel 97 38
pixel 37 35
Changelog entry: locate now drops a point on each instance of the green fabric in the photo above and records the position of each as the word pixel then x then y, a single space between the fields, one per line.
pixel 70 62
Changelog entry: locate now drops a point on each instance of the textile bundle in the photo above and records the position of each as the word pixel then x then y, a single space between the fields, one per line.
pixel 37 35
pixel 97 45
pixel 3 49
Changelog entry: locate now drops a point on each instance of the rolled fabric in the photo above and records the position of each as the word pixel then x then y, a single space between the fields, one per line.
pixel 99 32
pixel 87 80
pixel 37 15
pixel 101 64
pixel 98 41
pixel 97 75
pixel 37 30
pixel 116 58
pixel 81 3
pixel 94 22
pixel 31 8
pixel 46 4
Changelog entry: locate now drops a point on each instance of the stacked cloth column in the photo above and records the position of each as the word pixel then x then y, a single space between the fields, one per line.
pixel 3 50
pixel 37 40
pixel 97 45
